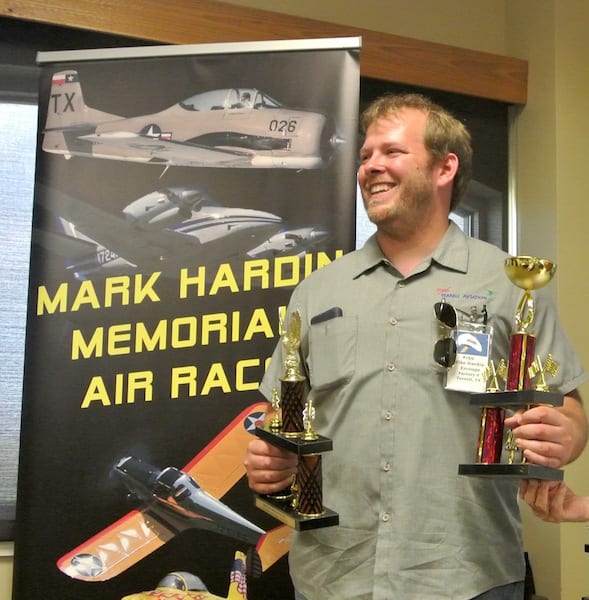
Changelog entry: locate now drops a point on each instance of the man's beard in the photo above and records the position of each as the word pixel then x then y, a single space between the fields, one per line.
pixel 408 212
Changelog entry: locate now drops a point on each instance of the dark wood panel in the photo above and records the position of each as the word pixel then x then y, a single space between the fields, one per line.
pixel 384 56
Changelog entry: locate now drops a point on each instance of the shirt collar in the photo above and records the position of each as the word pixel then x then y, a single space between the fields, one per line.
pixel 451 253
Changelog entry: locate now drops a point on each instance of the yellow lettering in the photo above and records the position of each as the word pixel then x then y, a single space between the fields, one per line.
pixel 119 337
pixel 116 285
pixel 216 378
pixel 235 322
pixel 141 290
pixel 286 271
pixel 256 269
pixel 240 383
pixel 138 382
pixel 198 280
pixel 95 345
pixel 259 323
pixel 50 305
pixel 119 389
pixel 224 278
pixel 145 341
pixel 187 324
pixel 86 295
pixel 96 392
pixel 211 323
pixel 183 376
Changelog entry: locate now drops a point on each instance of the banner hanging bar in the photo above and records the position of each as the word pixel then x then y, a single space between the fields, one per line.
pixel 344 43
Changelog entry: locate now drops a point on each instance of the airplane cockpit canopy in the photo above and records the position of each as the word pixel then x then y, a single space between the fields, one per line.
pixel 184 581
pixel 232 98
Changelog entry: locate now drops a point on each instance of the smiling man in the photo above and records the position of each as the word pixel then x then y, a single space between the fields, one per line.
pixel 410 527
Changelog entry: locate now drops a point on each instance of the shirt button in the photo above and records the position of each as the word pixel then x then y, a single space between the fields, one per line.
pixel 388 415
pixel 402 284
pixel 391 366
pixel 393 321
pixel 386 467
pixel 386 517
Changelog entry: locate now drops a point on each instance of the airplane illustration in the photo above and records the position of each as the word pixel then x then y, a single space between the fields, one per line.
pixel 289 242
pixel 218 128
pixel 172 502
pixel 160 231
pixel 181 585
pixel 175 496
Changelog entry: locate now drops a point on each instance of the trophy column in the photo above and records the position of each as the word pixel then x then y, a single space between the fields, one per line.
pixel 291 428
pixel 528 273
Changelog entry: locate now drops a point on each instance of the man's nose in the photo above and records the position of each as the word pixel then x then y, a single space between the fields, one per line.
pixel 374 162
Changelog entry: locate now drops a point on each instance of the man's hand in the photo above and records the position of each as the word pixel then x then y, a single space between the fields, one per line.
pixel 551 436
pixel 269 469
pixel 554 501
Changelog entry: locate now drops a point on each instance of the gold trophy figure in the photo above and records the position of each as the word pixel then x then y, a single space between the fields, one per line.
pixel 293 386
pixel 276 422
pixel 529 274
pixel 291 428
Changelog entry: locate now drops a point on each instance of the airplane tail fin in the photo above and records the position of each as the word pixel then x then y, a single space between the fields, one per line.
pixel 67 110
pixel 238 580
pixel 66 102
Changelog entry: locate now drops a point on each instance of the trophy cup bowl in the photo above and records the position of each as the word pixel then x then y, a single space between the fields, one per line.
pixel 529 272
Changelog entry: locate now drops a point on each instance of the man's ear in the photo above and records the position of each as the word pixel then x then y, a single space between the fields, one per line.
pixel 447 168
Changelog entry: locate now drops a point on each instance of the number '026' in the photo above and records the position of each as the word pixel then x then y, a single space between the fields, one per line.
pixel 283 126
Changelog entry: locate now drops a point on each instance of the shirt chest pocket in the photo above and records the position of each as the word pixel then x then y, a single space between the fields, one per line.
pixel 332 352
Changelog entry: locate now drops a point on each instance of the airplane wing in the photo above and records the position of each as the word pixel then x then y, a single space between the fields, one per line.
pixel 158 150
pixel 140 532
pixel 116 548
pixel 139 247
pixel 219 465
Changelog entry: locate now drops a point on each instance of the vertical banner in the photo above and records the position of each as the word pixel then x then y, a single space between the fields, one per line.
pixel 181 193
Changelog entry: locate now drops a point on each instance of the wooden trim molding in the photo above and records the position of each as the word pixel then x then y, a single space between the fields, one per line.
pixel 384 56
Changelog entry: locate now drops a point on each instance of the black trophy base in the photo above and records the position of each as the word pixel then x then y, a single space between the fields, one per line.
pixel 298 444
pixel 294 520
pixel 514 471
pixel 516 398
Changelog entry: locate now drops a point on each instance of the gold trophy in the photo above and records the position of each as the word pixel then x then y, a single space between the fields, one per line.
pixel 529 274
pixel 293 384
pixel 291 428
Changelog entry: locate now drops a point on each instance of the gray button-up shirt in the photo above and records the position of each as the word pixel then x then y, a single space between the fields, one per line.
pixel 410 526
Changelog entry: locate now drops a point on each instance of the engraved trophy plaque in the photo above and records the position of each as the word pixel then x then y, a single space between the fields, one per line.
pixel 291 428
pixel 494 457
